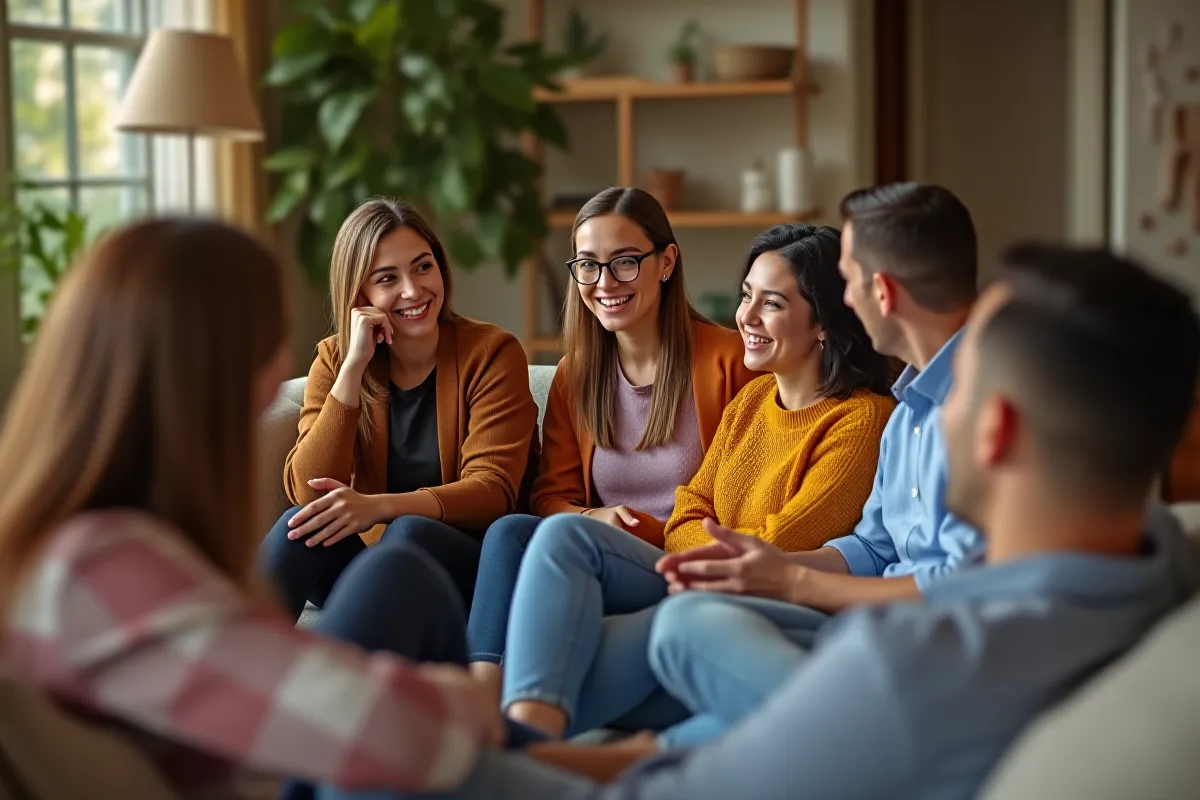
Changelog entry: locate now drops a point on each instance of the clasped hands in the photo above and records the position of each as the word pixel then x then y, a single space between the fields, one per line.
pixel 735 563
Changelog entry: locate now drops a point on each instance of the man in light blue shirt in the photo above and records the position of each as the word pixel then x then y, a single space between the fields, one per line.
pixel 1053 452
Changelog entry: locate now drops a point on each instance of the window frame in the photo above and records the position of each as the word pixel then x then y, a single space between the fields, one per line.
pixel 71 38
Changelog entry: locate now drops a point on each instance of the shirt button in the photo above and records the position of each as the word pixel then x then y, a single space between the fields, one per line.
pixel 914 492
pixel 917 430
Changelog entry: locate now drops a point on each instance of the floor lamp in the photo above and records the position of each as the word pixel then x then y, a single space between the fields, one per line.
pixel 190 83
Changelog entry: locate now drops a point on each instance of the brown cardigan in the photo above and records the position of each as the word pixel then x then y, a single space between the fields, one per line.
pixel 486 422
pixel 564 481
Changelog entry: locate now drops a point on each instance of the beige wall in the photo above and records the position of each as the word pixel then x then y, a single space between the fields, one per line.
pixel 990 113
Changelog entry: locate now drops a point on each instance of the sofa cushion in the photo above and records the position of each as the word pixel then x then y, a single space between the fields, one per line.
pixel 1133 731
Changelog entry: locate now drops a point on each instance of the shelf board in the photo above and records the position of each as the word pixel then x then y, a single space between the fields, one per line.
pixel 708 219
pixel 598 89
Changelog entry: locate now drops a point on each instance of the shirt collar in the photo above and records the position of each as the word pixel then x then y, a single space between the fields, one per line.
pixel 1078 575
pixel 933 383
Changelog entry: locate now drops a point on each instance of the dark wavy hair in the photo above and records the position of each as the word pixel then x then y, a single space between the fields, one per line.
pixel 848 362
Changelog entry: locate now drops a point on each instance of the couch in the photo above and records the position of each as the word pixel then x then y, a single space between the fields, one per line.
pixel 1132 731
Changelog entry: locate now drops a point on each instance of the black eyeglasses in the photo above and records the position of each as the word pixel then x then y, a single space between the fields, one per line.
pixel 623 268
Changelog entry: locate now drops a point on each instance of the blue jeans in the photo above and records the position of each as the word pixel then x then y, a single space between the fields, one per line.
pixel 504 547
pixel 723 655
pixel 308 573
pixel 425 619
pixel 579 629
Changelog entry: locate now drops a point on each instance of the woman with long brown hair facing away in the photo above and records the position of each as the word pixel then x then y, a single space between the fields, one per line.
pixel 633 406
pixel 414 417
pixel 127 545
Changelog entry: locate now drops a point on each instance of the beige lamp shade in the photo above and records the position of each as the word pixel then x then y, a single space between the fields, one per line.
pixel 190 82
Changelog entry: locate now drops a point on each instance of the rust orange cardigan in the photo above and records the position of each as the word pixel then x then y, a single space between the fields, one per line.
pixel 564 481
pixel 486 422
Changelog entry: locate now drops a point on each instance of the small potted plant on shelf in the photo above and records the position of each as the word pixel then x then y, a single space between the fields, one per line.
pixel 581 46
pixel 684 52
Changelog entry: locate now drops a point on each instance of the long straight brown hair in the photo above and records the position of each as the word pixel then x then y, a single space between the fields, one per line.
pixel 591 351
pixel 349 267
pixel 138 393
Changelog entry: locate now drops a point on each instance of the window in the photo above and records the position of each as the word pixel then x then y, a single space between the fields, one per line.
pixel 68 64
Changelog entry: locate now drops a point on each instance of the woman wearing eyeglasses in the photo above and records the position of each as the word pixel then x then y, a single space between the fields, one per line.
pixel 792 463
pixel 632 408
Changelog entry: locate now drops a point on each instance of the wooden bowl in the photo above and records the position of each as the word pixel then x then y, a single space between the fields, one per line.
pixel 752 62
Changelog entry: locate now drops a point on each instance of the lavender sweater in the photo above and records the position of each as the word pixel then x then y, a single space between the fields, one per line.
pixel 646 480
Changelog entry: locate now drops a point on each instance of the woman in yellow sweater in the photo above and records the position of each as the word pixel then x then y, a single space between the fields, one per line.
pixel 792 462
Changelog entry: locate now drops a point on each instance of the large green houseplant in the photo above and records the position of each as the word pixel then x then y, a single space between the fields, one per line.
pixel 418 99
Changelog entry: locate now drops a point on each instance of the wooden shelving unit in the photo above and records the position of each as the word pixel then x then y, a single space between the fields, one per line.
pixel 626 93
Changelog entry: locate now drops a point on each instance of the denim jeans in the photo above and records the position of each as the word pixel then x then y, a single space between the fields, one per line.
pixel 723 655
pixel 504 547
pixel 579 629
pixel 308 573
pixel 424 620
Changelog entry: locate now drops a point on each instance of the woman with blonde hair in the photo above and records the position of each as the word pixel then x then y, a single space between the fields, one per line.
pixel 127 543
pixel 414 417
pixel 633 406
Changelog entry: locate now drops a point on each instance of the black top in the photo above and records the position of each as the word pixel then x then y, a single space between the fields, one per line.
pixel 413 461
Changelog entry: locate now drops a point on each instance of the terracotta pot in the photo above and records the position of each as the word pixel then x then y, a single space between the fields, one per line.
pixel 666 185
pixel 683 71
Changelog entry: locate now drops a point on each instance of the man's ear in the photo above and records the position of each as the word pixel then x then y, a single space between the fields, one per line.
pixel 885 291
pixel 996 431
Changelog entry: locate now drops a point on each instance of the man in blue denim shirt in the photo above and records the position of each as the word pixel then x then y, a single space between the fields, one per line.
pixel 1053 451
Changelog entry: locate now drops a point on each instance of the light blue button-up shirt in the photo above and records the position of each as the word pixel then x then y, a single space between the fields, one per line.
pixel 920 699
pixel 905 527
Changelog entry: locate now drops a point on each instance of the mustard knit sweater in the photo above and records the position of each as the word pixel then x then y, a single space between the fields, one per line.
pixel 794 478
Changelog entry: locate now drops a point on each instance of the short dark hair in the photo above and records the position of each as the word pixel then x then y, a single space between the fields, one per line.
pixel 921 235
pixel 1102 358
pixel 848 362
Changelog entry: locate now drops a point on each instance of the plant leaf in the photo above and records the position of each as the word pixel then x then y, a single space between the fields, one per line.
pixel 290 158
pixel 377 34
pixel 491 229
pixel 339 113
pixel 290 68
pixel 452 188
pixel 361 10
pixel 291 193
pixel 507 85
pixel 299 38
pixel 346 168
pixel 548 126
pixel 464 249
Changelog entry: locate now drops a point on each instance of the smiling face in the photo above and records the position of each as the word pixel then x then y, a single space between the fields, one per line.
pixel 621 306
pixel 404 280
pixel 775 320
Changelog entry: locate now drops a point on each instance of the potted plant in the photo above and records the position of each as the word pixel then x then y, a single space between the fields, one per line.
pixel 427 104
pixel 684 52
pixel 39 242
pixel 580 44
